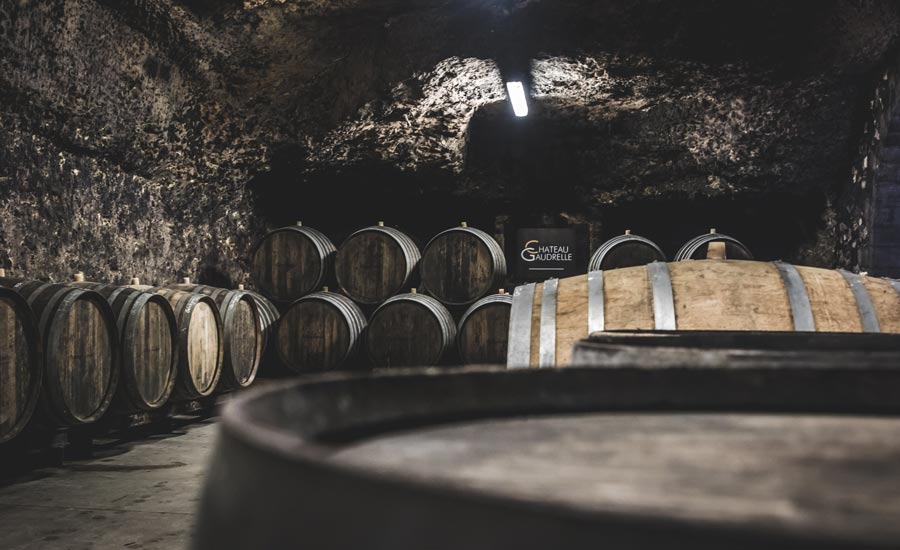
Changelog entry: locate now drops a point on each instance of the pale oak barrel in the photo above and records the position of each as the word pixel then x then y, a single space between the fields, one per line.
pixel 410 330
pixel 462 264
pixel 547 318
pixel 321 331
pixel 292 261
pixel 242 331
pixel 375 263
pixel 200 342
pixel 81 350
pixel 483 331
pixel 21 364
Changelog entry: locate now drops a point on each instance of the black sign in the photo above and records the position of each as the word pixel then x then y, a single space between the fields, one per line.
pixel 545 252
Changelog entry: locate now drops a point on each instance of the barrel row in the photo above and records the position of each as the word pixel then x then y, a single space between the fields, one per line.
pixel 547 318
pixel 82 349
pixel 458 266
pixel 630 250
pixel 325 330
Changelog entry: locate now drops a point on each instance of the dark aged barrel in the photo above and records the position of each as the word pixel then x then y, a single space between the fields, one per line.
pixel 320 331
pixel 200 341
pixel 268 316
pixel 375 263
pixel 788 457
pixel 462 264
pixel 292 261
pixel 483 331
pixel 21 364
pixel 242 332
pixel 701 247
pixel 410 330
pixel 546 319
pixel 148 337
pixel 626 251
pixel 81 350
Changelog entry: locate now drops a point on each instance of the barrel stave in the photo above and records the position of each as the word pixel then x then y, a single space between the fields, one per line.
pixel 21 364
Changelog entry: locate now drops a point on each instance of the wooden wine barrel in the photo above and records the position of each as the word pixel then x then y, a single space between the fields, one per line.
pixel 320 331
pixel 699 248
pixel 546 319
pixel 782 456
pixel 462 264
pixel 200 341
pixel 292 261
pixel 483 331
pixel 21 364
pixel 243 338
pixel 375 263
pixel 148 338
pixel 268 317
pixel 410 330
pixel 626 251
pixel 81 350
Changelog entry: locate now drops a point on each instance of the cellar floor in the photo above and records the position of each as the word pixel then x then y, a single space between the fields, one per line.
pixel 134 495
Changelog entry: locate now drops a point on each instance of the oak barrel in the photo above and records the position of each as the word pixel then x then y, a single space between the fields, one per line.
pixel 148 338
pixel 410 330
pixel 626 250
pixel 292 261
pixel 200 341
pixel 483 331
pixel 242 332
pixel 547 318
pixel 781 456
pixel 462 264
pixel 698 248
pixel 81 350
pixel 321 331
pixel 21 364
pixel 375 263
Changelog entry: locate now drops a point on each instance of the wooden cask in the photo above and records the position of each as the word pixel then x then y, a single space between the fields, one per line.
pixel 242 332
pixel 81 350
pixel 320 331
pixel 375 263
pixel 148 338
pixel 21 364
pixel 626 251
pixel 200 341
pixel 410 330
pixel 462 264
pixel 483 331
pixel 268 318
pixel 546 319
pixel 292 261
pixel 700 248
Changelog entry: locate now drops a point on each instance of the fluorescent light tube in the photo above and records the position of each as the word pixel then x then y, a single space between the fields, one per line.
pixel 517 98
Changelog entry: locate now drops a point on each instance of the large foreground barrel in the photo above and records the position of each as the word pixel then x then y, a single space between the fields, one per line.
pixel 21 364
pixel 462 264
pixel 483 331
pixel 626 251
pixel 320 331
pixel 546 319
pixel 200 341
pixel 410 330
pixel 292 261
pixel 242 333
pixel 81 350
pixel 148 337
pixel 375 263
pixel 704 458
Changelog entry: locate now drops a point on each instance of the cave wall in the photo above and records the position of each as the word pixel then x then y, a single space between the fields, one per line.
pixel 159 138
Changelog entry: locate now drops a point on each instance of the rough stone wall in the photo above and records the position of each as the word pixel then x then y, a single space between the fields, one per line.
pixel 159 138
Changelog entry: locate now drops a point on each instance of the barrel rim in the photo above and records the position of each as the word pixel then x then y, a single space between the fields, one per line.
pixel 309 445
pixel 604 249
pixel 36 357
pixel 689 248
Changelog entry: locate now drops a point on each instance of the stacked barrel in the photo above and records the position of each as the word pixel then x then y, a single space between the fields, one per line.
pixel 375 305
